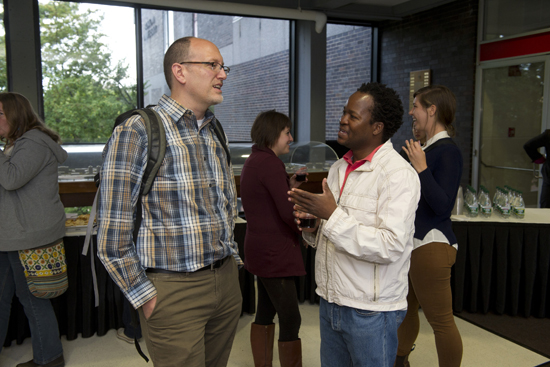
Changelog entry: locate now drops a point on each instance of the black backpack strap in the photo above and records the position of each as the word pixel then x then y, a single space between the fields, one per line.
pixel 156 138
pixel 218 129
pixel 156 149
pixel 135 324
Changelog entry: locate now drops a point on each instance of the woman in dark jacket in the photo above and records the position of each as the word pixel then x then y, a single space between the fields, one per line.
pixel 439 166
pixel 272 251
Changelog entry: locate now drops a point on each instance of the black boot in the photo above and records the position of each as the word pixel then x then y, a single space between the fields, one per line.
pixel 401 361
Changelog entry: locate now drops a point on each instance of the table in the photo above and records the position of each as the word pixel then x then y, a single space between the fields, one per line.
pixel 75 310
pixel 82 193
pixel 502 265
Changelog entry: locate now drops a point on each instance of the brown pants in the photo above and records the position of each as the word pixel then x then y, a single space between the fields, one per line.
pixel 195 317
pixel 430 288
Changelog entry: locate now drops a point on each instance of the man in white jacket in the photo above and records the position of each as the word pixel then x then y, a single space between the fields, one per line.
pixel 364 234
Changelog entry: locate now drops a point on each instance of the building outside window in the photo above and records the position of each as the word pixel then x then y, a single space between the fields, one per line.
pixel 90 77
pixel 3 66
pixel 256 50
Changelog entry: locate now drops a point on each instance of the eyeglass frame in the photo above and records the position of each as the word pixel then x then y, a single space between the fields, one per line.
pixel 212 64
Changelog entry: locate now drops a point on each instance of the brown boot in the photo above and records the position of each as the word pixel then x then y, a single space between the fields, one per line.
pixel 261 340
pixel 290 353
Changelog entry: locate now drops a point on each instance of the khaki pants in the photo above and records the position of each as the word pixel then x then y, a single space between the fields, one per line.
pixel 430 288
pixel 195 317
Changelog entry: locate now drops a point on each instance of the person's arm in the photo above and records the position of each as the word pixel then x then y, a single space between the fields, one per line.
pixel 121 175
pixel 532 146
pixel 382 236
pixel 27 160
pixel 275 180
pixel 379 237
pixel 440 187
pixel 230 192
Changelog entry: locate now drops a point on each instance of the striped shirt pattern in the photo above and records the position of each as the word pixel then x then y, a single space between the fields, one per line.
pixel 189 213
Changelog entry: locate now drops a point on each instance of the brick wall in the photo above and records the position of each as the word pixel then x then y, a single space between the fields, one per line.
pixel 262 84
pixel 348 66
pixel 252 87
pixel 442 39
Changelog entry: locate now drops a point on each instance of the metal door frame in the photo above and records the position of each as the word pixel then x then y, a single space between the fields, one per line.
pixel 545 123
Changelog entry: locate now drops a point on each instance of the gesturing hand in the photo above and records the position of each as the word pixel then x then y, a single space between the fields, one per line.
pixel 320 205
pixel 416 155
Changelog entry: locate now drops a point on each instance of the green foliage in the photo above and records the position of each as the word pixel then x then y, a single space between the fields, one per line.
pixel 79 210
pixel 3 66
pixel 83 87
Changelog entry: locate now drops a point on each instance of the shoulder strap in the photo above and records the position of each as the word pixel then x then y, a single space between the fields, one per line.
pixel 156 148
pixel 156 143
pixel 218 129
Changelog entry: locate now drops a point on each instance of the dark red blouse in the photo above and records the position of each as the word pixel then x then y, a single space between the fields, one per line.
pixel 271 247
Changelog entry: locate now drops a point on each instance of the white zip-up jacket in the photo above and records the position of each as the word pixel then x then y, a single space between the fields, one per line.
pixel 364 248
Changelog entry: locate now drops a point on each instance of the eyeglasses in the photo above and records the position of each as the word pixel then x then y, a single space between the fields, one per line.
pixel 216 66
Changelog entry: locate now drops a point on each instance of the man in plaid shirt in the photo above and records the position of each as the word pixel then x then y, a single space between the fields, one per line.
pixel 182 272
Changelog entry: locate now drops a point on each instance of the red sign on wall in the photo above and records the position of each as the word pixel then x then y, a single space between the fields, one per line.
pixel 521 46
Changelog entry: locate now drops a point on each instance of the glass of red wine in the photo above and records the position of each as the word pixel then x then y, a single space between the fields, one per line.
pixel 308 222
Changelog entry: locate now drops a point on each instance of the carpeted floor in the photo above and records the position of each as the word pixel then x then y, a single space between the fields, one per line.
pixel 531 333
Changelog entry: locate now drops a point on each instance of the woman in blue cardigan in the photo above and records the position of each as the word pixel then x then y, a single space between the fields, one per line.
pixel 271 248
pixel 439 167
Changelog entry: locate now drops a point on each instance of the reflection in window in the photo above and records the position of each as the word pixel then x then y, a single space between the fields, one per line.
pixel 504 18
pixel 348 66
pixel 3 65
pixel 256 49
pixel 86 85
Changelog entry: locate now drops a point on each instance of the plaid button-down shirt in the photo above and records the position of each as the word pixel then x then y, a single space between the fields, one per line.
pixel 189 213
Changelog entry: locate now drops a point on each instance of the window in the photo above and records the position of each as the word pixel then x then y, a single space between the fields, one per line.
pixel 256 50
pixel 88 68
pixel 348 66
pixel 504 18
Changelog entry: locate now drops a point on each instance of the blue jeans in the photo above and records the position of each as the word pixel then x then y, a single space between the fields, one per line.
pixel 46 345
pixel 358 338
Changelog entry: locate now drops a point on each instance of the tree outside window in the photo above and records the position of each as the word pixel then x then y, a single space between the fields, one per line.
pixel 84 87
pixel 3 66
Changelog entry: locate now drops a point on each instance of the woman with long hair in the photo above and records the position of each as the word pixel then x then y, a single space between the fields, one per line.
pixel 31 216
pixel 439 166
pixel 272 250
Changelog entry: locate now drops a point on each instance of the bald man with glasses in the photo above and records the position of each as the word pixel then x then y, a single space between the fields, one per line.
pixel 182 273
